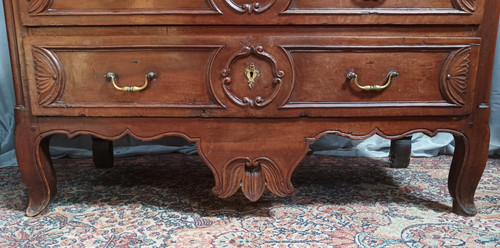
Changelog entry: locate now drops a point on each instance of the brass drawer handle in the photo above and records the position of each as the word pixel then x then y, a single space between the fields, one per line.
pixel 392 74
pixel 111 76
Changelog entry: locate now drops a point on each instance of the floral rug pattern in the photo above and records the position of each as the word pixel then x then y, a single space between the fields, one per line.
pixel 166 201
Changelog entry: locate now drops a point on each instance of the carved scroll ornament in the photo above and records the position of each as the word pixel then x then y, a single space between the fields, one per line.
pixel 258 101
pixel 37 6
pixel 250 7
pixel 454 76
pixel 253 176
pixel 49 76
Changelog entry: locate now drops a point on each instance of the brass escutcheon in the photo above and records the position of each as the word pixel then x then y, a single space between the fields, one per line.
pixel 251 73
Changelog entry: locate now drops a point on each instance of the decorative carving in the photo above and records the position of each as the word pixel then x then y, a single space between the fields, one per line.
pixel 250 7
pixel 49 75
pixel 247 101
pixel 377 131
pixel 454 76
pixel 38 6
pixel 41 6
pixel 468 6
pixel 253 176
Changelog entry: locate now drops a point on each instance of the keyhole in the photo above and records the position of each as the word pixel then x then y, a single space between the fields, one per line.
pixel 251 74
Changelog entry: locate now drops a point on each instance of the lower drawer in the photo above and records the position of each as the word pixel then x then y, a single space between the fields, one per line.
pixel 260 76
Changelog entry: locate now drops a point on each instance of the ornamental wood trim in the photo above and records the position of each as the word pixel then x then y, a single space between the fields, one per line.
pixel 454 76
pixel 49 75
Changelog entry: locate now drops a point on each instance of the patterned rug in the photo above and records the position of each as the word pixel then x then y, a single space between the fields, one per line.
pixel 166 201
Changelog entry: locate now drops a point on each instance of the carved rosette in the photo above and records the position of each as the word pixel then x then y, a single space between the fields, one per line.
pixel 454 76
pixel 468 6
pixel 253 176
pixel 258 101
pixel 250 7
pixel 38 6
pixel 49 76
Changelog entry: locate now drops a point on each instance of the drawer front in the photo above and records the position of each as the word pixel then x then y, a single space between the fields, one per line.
pixel 259 76
pixel 239 12
pixel 356 76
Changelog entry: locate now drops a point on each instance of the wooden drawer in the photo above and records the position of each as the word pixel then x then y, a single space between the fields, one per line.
pixel 208 76
pixel 243 12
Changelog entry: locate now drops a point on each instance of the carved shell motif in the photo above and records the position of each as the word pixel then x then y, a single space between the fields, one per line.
pixel 37 6
pixel 464 5
pixel 454 76
pixel 253 176
pixel 250 7
pixel 49 76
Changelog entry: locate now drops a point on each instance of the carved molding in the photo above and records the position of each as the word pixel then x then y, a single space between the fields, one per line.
pixel 454 76
pixel 379 132
pixel 250 7
pixel 38 6
pixel 258 101
pixel 253 176
pixel 41 6
pixel 49 76
pixel 468 6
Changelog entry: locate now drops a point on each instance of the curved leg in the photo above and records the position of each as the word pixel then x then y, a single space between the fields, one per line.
pixel 102 152
pixel 400 152
pixel 469 160
pixel 35 166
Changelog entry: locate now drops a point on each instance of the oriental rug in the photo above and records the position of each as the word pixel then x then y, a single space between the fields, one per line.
pixel 166 201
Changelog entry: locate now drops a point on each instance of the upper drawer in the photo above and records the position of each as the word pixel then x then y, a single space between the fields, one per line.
pixel 244 12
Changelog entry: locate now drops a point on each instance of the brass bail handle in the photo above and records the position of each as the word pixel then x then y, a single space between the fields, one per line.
pixel 112 76
pixel 392 74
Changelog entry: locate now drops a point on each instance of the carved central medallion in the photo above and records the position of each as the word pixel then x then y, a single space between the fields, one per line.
pixel 250 8
pixel 252 73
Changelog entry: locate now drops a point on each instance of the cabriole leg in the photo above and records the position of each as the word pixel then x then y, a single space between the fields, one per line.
pixel 469 161
pixel 36 169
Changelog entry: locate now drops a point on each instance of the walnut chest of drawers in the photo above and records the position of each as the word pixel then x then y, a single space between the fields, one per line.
pixel 251 82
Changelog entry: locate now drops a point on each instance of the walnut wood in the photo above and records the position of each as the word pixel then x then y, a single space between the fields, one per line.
pixel 102 152
pixel 400 152
pixel 238 12
pixel 251 138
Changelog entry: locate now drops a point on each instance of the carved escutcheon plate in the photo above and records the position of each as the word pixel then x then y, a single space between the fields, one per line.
pixel 256 101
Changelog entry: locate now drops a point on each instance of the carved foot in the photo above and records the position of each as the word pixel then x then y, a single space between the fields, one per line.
pixel 469 161
pixel 35 165
pixel 36 169
pixel 102 152
pixel 400 152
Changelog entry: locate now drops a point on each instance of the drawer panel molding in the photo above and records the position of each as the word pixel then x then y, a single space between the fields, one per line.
pixel 63 7
pixel 69 77
pixel 440 76
pixel 245 12
pixel 405 7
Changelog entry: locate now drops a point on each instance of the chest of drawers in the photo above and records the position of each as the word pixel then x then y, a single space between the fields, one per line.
pixel 251 82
